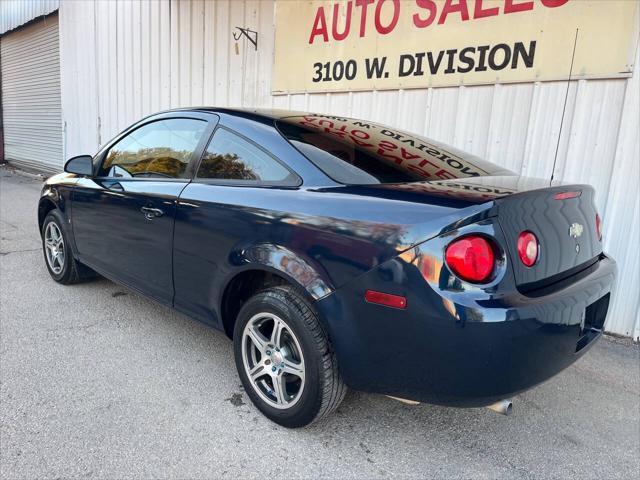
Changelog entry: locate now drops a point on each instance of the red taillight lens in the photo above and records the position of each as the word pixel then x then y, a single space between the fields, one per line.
pixel 528 248
pixel 387 299
pixel 599 227
pixel 471 258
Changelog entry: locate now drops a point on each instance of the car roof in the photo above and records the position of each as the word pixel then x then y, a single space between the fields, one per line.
pixel 250 113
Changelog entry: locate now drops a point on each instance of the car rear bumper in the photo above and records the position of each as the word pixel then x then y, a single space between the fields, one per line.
pixel 468 355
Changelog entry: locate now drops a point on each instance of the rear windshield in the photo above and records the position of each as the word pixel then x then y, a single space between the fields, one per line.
pixel 357 152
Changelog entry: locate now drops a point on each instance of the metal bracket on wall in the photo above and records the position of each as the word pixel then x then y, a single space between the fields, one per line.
pixel 251 35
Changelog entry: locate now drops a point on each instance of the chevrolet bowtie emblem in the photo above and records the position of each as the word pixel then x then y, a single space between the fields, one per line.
pixel 575 230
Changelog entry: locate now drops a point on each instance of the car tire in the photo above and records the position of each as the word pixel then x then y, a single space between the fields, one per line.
pixel 65 269
pixel 289 373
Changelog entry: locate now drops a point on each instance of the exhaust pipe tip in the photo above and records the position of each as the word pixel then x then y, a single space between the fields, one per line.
pixel 503 407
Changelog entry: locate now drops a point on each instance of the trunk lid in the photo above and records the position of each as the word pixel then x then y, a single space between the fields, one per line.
pixel 565 228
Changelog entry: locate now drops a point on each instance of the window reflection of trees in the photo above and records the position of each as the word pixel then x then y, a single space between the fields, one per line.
pixel 161 148
pixel 157 160
pixel 226 166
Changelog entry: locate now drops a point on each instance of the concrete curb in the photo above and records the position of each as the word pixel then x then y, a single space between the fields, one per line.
pixel 24 173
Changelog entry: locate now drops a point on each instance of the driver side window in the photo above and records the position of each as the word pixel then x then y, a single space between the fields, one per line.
pixel 161 149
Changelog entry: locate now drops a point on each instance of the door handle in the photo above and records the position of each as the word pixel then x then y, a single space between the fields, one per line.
pixel 150 213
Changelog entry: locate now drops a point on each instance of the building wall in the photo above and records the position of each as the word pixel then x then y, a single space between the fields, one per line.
pixel 14 13
pixel 121 61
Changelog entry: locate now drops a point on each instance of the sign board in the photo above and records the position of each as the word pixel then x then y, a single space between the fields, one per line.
pixel 343 45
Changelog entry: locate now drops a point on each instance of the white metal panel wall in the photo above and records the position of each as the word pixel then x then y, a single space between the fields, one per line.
pixel 622 213
pixel 31 105
pixel 80 81
pixel 153 55
pixel 14 13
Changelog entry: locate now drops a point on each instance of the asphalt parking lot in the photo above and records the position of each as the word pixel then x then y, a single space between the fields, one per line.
pixel 97 381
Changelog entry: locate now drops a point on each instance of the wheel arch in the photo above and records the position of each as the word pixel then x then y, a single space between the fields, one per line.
pixel 263 266
pixel 45 205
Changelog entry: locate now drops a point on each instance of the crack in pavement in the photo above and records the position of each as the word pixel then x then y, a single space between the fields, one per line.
pixel 15 227
pixel 2 254
pixel 73 327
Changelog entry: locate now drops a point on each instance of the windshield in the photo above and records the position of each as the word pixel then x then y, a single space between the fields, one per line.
pixel 357 152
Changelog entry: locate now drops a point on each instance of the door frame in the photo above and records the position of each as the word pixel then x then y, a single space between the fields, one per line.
pixel 211 118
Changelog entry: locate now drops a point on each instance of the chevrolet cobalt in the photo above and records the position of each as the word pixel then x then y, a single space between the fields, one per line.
pixel 338 253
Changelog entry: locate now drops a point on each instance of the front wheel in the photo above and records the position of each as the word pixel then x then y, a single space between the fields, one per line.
pixel 285 360
pixel 58 257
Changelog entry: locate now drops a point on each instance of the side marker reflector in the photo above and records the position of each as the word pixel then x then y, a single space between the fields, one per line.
pixel 386 299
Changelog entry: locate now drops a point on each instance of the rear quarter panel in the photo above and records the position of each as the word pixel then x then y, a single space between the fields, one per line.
pixel 318 238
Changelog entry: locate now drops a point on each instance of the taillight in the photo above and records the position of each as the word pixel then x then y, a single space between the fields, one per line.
pixel 528 248
pixel 471 258
pixel 599 227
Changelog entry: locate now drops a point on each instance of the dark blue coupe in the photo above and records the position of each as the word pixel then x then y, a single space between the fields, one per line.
pixel 338 252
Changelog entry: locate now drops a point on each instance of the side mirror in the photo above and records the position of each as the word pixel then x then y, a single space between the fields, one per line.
pixel 80 165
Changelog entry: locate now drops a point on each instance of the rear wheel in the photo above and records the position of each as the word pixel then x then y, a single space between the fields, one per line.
pixel 58 257
pixel 284 358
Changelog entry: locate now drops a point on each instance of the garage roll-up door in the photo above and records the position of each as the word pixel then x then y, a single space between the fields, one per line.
pixel 31 108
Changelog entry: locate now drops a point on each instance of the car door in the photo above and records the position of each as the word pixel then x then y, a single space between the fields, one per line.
pixel 225 206
pixel 123 217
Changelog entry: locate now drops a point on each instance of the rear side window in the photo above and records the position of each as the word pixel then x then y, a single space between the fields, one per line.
pixel 160 149
pixel 231 157
pixel 357 152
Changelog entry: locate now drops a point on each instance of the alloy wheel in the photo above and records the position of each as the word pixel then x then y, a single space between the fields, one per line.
pixel 54 248
pixel 273 360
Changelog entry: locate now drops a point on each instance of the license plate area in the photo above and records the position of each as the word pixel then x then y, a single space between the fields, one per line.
pixel 593 321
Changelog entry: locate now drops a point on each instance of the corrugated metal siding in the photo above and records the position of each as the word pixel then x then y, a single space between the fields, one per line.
pixel 31 106
pixel 622 213
pixel 152 55
pixel 14 13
